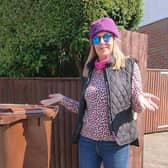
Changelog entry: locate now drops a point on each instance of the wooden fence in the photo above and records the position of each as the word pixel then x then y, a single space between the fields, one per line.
pixel 157 83
pixel 31 91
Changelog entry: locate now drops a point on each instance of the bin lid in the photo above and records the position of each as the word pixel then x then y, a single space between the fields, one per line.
pixel 11 113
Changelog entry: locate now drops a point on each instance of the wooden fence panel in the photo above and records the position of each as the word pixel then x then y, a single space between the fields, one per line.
pixel 135 44
pixel 157 83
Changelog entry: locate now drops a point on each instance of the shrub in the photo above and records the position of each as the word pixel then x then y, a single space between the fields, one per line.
pixel 37 38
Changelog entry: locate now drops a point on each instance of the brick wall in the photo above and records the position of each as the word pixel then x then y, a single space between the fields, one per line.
pixel 157 44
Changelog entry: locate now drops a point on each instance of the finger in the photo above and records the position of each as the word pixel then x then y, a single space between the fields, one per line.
pixel 143 106
pixel 150 107
pixel 46 102
pixel 153 104
pixel 155 97
pixel 42 101
pixel 146 105
pixel 52 95
pixel 149 95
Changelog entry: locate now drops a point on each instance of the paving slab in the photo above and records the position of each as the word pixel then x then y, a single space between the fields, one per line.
pixel 156 150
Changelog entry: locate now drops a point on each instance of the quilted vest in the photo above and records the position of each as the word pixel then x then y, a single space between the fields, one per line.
pixel 120 115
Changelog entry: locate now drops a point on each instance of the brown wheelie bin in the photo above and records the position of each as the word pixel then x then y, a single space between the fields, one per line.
pixel 25 136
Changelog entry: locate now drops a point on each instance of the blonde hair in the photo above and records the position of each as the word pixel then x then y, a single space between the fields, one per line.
pixel 118 55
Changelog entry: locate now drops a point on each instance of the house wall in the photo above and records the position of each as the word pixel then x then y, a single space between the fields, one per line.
pixel 157 43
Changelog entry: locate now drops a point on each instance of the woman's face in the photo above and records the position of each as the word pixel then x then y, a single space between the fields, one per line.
pixel 103 43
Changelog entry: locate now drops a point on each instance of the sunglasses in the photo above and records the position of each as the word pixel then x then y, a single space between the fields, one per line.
pixel 106 37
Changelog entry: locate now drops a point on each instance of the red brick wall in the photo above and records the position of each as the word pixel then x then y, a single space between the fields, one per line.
pixel 157 43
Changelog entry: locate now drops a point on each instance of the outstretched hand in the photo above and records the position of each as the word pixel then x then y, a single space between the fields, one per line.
pixel 53 99
pixel 147 101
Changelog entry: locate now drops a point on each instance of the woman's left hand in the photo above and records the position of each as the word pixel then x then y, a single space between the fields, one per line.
pixel 146 101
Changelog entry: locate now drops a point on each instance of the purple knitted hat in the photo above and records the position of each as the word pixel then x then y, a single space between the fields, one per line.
pixel 103 24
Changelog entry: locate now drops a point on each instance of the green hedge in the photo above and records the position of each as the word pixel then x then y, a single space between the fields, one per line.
pixel 50 37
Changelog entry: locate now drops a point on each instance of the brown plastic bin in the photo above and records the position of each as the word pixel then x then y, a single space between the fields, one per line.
pixel 25 136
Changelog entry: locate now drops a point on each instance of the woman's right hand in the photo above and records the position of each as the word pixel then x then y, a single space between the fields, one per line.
pixel 53 99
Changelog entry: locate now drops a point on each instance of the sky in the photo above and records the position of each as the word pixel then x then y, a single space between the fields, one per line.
pixel 154 10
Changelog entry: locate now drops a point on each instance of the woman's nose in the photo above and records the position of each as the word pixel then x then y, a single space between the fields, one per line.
pixel 102 40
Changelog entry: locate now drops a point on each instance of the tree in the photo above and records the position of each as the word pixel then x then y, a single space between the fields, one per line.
pixel 38 37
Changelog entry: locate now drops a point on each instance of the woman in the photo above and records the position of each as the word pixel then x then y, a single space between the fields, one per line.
pixel 111 93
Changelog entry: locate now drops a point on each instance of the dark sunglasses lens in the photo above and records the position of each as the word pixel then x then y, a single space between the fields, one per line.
pixel 107 37
pixel 95 40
